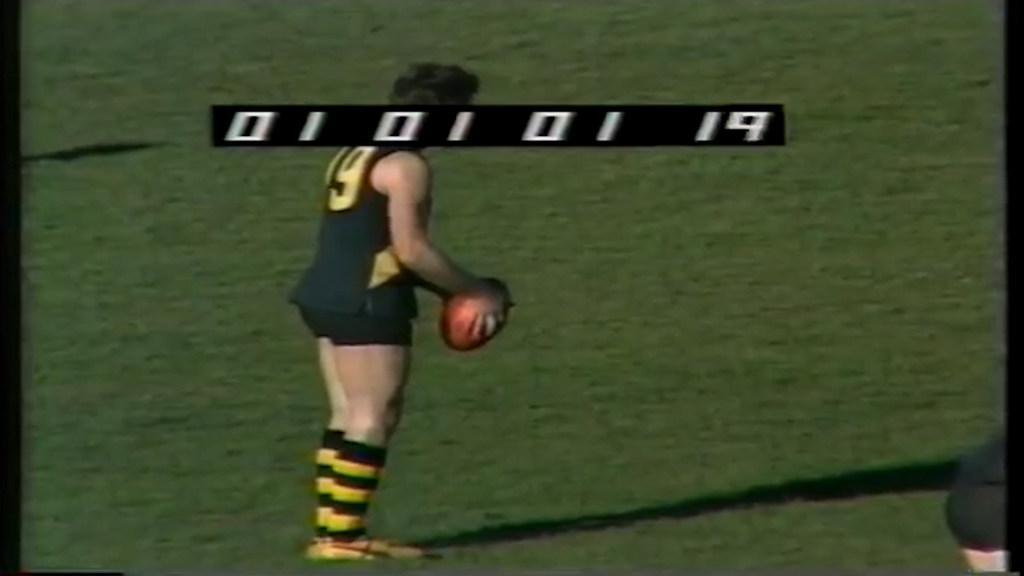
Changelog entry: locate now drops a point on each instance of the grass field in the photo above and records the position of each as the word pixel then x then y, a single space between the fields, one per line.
pixel 721 358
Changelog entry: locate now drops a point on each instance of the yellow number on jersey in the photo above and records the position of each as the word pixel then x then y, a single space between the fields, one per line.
pixel 346 177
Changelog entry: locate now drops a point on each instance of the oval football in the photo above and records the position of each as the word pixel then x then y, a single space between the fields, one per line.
pixel 457 321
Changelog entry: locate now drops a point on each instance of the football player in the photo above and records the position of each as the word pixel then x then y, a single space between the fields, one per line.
pixel 357 298
pixel 976 507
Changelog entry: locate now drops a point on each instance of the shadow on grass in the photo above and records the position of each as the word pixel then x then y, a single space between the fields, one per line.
pixel 928 476
pixel 80 152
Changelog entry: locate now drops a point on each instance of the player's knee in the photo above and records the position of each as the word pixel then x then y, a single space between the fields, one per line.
pixel 367 425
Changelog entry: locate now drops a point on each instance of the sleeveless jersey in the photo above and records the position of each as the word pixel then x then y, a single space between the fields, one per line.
pixel 354 270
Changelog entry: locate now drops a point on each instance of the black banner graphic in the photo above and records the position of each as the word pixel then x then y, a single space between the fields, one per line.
pixel 531 126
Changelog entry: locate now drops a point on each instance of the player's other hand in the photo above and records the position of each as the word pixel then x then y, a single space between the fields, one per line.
pixel 495 300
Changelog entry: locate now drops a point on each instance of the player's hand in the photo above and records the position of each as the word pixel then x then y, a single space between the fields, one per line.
pixel 500 291
pixel 497 300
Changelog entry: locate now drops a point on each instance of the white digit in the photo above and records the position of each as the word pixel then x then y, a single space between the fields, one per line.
pixel 556 133
pixel 754 123
pixel 461 126
pixel 708 126
pixel 610 126
pixel 386 128
pixel 312 128
pixel 258 133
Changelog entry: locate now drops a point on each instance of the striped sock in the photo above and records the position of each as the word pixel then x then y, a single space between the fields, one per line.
pixel 356 476
pixel 326 457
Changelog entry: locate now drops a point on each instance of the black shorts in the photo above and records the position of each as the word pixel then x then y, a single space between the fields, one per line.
pixel 976 506
pixel 357 329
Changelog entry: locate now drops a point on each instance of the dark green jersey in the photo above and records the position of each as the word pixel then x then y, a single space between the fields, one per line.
pixel 355 270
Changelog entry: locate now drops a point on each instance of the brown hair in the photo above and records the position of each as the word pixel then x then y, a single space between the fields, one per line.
pixel 429 84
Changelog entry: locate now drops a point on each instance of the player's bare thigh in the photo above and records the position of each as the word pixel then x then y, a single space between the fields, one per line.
pixel 335 391
pixel 373 379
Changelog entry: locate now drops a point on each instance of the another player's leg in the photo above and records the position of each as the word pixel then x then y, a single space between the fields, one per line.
pixel 981 561
pixel 976 507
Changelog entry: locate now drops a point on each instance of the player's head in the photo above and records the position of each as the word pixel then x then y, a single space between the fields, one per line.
pixel 429 84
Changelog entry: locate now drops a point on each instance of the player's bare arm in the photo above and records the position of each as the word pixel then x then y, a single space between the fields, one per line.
pixel 406 180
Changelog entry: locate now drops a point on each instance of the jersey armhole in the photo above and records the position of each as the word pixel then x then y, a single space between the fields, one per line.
pixel 381 154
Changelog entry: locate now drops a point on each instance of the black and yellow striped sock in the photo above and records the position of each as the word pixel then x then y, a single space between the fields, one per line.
pixel 326 457
pixel 356 476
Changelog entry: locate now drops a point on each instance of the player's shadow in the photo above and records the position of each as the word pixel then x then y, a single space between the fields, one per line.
pixel 92 150
pixel 927 476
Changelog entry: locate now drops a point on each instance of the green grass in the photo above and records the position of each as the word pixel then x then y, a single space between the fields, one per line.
pixel 691 322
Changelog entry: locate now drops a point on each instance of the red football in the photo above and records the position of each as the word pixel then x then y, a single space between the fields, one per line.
pixel 457 321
